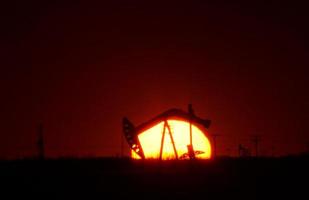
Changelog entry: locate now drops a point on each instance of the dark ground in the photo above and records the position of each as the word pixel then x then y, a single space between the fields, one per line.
pixel 262 178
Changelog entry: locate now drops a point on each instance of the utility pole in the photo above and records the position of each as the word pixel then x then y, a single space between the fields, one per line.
pixel 190 146
pixel 40 142
pixel 272 151
pixel 256 140
pixel 121 146
pixel 307 147
pixel 214 136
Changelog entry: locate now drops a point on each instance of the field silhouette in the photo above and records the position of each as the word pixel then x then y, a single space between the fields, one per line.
pixel 232 178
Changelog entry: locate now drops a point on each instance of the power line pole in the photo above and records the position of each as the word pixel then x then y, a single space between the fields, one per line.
pixel 121 146
pixel 214 136
pixel 256 140
pixel 40 142
pixel 272 151
pixel 190 146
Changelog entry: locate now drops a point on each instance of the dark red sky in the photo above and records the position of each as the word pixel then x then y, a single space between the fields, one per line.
pixel 81 67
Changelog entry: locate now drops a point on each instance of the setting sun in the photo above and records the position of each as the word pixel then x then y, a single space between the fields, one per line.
pixel 175 142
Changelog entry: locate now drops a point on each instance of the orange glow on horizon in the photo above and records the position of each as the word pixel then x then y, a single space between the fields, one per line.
pixel 151 138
